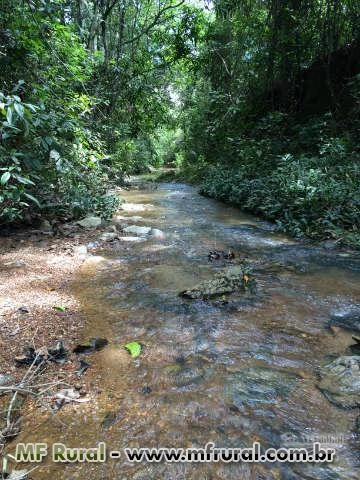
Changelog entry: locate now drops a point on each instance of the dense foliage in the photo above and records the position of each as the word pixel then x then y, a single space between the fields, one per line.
pixel 257 101
pixel 273 122
pixel 84 88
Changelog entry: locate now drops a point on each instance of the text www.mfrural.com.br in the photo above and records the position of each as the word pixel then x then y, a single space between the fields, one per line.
pixel 37 452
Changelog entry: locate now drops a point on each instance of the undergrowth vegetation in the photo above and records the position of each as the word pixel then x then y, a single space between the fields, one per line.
pixel 272 122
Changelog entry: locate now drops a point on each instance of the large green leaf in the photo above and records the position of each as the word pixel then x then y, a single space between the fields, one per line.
pixel 19 109
pixel 5 178
pixel 134 348
pixel 9 115
pixel 33 199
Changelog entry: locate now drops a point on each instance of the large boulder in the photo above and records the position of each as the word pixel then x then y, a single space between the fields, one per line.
pixel 340 381
pixel 231 280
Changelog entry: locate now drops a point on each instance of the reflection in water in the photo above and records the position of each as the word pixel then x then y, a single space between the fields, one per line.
pixel 231 374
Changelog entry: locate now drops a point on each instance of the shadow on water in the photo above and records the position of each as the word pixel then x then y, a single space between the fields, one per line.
pixel 230 374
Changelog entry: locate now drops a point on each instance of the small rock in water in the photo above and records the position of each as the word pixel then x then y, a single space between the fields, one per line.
pixel 340 381
pixel 23 310
pixel 217 254
pixel 58 353
pixel 94 345
pixel 156 233
pixel 137 230
pixel 90 222
pixel 146 390
pixel 355 349
pixel 132 239
pixel 108 236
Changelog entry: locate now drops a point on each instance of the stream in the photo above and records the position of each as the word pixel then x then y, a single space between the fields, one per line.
pixel 231 373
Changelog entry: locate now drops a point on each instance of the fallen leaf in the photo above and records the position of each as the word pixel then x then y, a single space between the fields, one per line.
pixel 134 348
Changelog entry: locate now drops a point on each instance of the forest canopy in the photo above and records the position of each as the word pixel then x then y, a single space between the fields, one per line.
pixel 258 101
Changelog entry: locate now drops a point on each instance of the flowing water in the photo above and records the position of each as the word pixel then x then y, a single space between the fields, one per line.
pixel 229 373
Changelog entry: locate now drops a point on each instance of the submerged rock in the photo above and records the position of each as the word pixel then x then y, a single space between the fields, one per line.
pixel 355 348
pixel 90 222
pixel 156 233
pixel 137 230
pixel 340 381
pixel 228 281
pixel 132 239
pixel 95 344
pixel 250 386
pixel 108 236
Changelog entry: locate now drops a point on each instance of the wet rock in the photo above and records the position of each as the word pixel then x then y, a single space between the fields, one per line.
pixel 90 222
pixel 228 281
pixel 93 245
pixel 251 386
pixel 218 254
pixel 108 236
pixel 348 321
pixel 23 310
pixel 58 353
pixel 137 230
pixel 132 239
pixel 146 390
pixel 156 233
pixel 355 349
pixel 5 380
pixel 94 345
pixel 30 356
pixel 340 381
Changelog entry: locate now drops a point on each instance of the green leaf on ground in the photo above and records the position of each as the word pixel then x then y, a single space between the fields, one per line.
pixel 60 308
pixel 134 348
